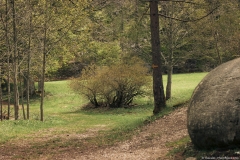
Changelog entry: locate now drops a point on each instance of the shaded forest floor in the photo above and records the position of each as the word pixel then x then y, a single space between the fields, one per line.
pixel 150 142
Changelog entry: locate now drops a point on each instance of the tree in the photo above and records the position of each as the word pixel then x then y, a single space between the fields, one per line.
pixel 1 107
pixel 15 62
pixel 7 52
pixel 214 38
pixel 225 28
pixel 173 34
pixel 52 33
pixel 29 81
pixel 158 90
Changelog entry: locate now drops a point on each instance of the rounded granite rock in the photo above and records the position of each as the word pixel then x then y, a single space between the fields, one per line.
pixel 213 116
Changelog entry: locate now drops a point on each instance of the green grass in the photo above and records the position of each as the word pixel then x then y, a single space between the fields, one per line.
pixel 63 113
pixel 183 86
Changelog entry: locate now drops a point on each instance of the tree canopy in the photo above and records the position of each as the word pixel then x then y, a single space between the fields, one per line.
pixel 39 38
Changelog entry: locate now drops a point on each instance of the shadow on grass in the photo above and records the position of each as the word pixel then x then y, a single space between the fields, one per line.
pixel 133 109
pixel 128 110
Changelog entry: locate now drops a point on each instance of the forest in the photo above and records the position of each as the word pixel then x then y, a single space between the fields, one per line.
pixel 52 40
pixel 70 71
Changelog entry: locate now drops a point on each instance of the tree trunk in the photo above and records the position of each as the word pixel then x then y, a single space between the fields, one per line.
pixel 158 90
pixel 40 83
pixel 1 110
pixel 217 47
pixel 43 62
pixel 8 58
pixel 170 58
pixel 169 82
pixel 30 90
pixel 22 95
pixel 29 86
pixel 15 67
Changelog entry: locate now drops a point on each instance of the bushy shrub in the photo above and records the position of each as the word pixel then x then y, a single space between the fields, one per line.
pixel 114 86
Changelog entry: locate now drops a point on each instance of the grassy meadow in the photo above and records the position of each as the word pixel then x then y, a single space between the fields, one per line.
pixel 63 112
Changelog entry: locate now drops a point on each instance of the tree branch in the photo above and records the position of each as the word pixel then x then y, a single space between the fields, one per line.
pixel 73 3
pixel 169 1
pixel 193 20
pixel 173 1
pixel 198 19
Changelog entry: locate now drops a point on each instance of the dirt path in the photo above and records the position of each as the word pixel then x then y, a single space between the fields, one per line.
pixel 148 144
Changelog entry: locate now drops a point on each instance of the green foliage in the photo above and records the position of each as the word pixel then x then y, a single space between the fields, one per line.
pixel 89 31
pixel 114 86
pixel 102 53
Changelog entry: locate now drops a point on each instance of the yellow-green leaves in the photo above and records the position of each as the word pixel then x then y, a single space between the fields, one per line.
pixel 114 86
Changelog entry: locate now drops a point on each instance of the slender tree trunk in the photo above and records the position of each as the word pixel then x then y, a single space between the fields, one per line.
pixel 169 82
pixel 215 35
pixel 8 58
pixel 44 62
pixel 29 56
pixel 39 82
pixel 1 110
pixel 217 47
pixel 158 89
pixel 31 86
pixel 136 29
pixel 28 93
pixel 43 77
pixel 15 70
pixel 122 29
pixel 170 58
pixel 9 87
pixel 22 96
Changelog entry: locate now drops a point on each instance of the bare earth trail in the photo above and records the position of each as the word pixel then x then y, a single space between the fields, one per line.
pixel 148 144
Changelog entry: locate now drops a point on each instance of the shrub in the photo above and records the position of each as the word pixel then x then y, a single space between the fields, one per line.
pixel 114 86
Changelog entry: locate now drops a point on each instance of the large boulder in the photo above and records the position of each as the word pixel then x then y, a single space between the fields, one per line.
pixel 214 110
